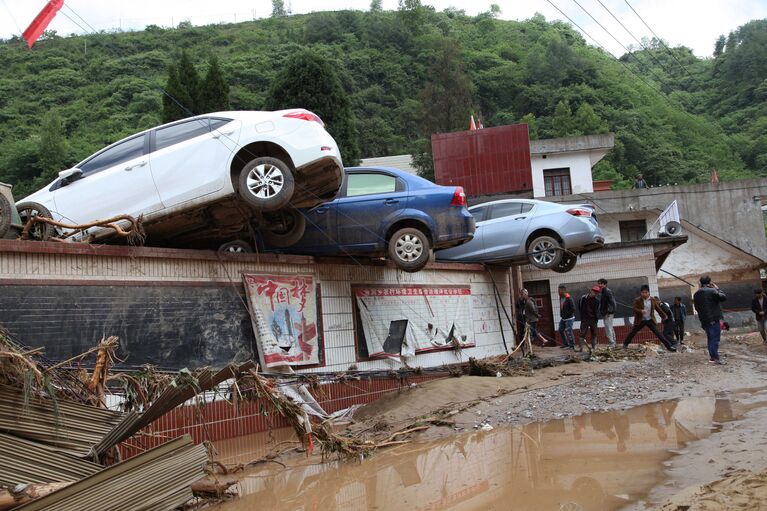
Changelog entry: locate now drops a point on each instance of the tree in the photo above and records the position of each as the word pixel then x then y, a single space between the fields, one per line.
pixel 446 101
pixel 587 122
pixel 53 144
pixel 308 81
pixel 182 91
pixel 562 120
pixel 532 125
pixel 214 93
pixel 278 9
pixel 719 46
pixel 376 6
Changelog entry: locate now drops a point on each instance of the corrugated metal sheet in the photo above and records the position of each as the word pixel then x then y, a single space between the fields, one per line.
pixel 71 427
pixel 23 461
pixel 485 161
pixel 159 479
pixel 399 161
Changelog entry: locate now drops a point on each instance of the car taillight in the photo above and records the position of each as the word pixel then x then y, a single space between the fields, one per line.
pixel 580 212
pixel 459 197
pixel 305 116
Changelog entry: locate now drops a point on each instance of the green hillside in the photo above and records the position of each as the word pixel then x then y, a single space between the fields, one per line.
pixel 407 73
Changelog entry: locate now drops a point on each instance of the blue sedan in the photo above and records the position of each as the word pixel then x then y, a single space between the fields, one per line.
pixel 386 211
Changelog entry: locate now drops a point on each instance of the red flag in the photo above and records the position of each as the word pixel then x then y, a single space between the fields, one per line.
pixel 41 21
pixel 714 176
pixel 472 126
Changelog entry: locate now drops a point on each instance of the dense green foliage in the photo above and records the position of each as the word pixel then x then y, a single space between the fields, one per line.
pixel 185 93
pixel 308 81
pixel 405 74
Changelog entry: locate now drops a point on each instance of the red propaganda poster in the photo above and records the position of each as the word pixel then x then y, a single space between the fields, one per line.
pixel 284 313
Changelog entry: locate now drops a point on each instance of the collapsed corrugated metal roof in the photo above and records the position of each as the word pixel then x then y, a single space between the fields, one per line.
pixel 69 426
pixel 170 398
pixel 23 461
pixel 159 479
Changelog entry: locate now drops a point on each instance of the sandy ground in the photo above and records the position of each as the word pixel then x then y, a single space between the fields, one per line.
pixel 725 471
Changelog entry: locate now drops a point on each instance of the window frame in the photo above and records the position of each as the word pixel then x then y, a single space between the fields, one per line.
pixel 484 207
pixel 500 204
pixel 555 176
pixel 153 133
pixel 624 228
pixel 399 185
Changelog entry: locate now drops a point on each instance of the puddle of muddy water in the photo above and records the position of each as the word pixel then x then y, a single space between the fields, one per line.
pixel 599 461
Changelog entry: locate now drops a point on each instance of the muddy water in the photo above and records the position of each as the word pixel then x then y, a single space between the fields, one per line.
pixel 599 461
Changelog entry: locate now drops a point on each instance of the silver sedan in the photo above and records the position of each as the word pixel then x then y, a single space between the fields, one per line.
pixel 545 234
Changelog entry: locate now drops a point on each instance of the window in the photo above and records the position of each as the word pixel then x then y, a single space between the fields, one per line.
pixel 166 137
pixel 526 206
pixel 132 148
pixel 216 123
pixel 505 209
pixel 368 184
pixel 478 213
pixel 632 230
pixel 557 182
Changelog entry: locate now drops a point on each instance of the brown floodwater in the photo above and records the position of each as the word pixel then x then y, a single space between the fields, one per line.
pixel 598 461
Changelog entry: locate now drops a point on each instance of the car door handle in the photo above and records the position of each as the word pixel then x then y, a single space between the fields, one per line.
pixel 520 218
pixel 219 134
pixel 139 164
pixel 321 209
pixel 389 202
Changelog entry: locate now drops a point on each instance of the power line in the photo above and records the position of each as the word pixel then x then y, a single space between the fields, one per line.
pixel 616 40
pixel 13 18
pixel 635 38
pixel 618 60
pixel 660 41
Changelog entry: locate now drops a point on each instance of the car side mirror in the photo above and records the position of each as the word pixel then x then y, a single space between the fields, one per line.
pixel 69 175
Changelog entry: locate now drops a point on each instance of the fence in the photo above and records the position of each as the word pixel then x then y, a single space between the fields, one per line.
pixel 213 417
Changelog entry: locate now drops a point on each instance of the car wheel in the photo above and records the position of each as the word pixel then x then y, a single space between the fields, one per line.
pixel 39 231
pixel 266 184
pixel 544 252
pixel 236 247
pixel 410 249
pixel 283 228
pixel 5 215
pixel 566 264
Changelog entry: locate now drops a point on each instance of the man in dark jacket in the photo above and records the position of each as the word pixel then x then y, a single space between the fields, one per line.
pixel 759 308
pixel 607 306
pixel 588 306
pixel 680 314
pixel 566 318
pixel 645 307
pixel 668 323
pixel 708 301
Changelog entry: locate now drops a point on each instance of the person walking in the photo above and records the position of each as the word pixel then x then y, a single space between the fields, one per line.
pixel 520 306
pixel 668 323
pixel 588 306
pixel 759 308
pixel 566 318
pixel 531 317
pixel 644 308
pixel 680 315
pixel 607 306
pixel 707 302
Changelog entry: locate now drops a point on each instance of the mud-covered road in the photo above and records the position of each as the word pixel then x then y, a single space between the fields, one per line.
pixel 629 434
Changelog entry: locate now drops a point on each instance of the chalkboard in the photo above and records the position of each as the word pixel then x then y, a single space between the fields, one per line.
pixel 168 326
pixel 624 290
pixel 739 294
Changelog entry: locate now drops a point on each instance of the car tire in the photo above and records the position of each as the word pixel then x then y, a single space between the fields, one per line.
pixel 566 264
pixel 266 184
pixel 283 228
pixel 39 231
pixel 544 252
pixel 5 215
pixel 409 249
pixel 236 247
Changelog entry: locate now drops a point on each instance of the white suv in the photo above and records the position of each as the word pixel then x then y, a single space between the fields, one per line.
pixel 211 177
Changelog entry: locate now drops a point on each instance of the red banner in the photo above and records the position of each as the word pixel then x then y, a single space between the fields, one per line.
pixel 41 21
